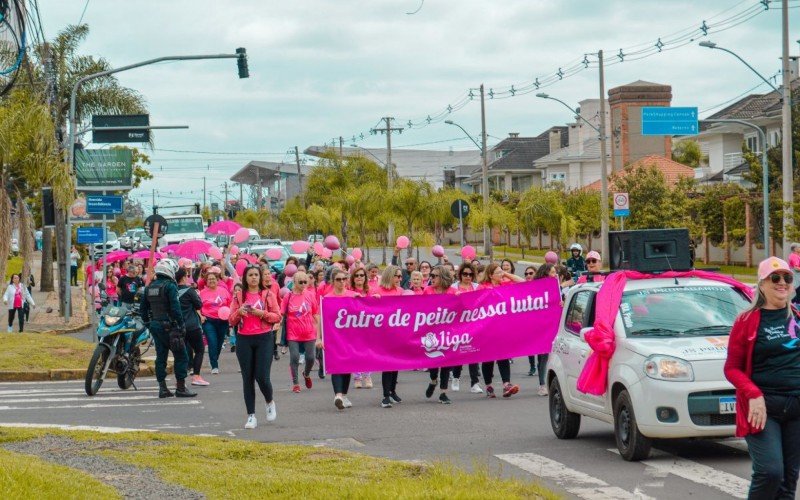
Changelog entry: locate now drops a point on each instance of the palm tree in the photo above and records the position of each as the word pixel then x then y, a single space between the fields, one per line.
pixel 410 202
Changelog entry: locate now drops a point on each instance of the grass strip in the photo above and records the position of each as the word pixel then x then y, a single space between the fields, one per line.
pixel 38 351
pixel 246 469
pixel 25 476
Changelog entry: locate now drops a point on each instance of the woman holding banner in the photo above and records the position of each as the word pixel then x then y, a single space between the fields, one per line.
pixel 493 277
pixel 388 286
pixel 358 284
pixel 340 382
pixel 441 281
pixel 466 283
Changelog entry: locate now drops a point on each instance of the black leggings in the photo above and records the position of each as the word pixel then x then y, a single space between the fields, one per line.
pixel 443 374
pixel 254 353
pixel 473 373
pixel 389 383
pixel 503 365
pixel 195 349
pixel 20 313
pixel 340 383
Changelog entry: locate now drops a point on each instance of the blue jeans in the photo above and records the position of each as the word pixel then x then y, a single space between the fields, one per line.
pixel 215 331
pixel 775 452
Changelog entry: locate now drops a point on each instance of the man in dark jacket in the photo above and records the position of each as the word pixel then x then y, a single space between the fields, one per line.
pixel 576 264
pixel 190 308
pixel 409 267
pixel 161 309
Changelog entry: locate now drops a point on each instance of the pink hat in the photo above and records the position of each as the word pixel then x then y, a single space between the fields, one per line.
pixel 214 270
pixel 551 257
pixel 770 265
pixel 593 255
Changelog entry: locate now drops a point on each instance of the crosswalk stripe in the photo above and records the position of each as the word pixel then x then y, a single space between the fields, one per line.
pixel 94 428
pixel 68 399
pixel 735 443
pixel 725 482
pixel 100 405
pixel 37 392
pixel 576 482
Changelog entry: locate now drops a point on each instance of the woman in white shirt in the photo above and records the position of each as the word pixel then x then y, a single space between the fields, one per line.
pixel 15 298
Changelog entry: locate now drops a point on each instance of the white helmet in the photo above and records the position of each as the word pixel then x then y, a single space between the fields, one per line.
pixel 576 246
pixel 166 267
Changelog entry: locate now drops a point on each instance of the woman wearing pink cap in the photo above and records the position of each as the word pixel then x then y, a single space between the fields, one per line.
pixel 593 265
pixel 214 296
pixel 763 365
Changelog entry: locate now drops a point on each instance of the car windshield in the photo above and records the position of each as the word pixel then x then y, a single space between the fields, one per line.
pixel 681 311
pixel 185 225
pixel 112 236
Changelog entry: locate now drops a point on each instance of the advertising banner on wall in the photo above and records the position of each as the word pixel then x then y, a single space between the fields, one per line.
pixel 104 169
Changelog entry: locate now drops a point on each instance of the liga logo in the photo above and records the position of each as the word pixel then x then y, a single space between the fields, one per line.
pixel 435 345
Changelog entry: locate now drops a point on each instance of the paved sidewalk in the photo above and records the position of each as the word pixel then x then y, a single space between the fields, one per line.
pixel 44 317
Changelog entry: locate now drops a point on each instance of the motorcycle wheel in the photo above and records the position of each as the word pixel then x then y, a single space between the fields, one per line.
pixel 125 380
pixel 94 374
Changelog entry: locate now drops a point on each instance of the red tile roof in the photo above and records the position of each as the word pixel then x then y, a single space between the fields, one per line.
pixel 672 170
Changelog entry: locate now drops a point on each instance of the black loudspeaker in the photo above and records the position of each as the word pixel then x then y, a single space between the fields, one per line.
pixel 48 207
pixel 650 250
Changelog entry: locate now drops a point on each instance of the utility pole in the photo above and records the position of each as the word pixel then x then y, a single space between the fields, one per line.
pixel 153 206
pixel 299 176
pixel 604 165
pixel 388 129
pixel 258 183
pixel 341 143
pixel 225 201
pixel 786 130
pixel 241 196
pixel 487 237
pixel 204 192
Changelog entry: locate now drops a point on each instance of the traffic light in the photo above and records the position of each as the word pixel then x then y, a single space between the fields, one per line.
pixel 241 62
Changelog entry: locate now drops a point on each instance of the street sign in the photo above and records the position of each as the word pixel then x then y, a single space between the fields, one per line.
pixel 107 205
pixel 100 136
pixel 661 120
pixel 622 206
pixel 151 221
pixel 459 209
pixel 89 235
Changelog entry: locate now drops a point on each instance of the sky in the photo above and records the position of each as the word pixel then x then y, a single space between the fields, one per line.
pixel 320 69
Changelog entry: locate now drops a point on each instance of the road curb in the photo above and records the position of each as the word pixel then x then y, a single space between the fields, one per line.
pixel 145 370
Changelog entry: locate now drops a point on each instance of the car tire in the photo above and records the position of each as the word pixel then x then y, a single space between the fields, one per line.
pixel 632 444
pixel 565 423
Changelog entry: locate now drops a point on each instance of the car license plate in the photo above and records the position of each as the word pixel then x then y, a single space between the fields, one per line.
pixel 727 405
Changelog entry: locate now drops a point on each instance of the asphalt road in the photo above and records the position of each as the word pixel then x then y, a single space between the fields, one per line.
pixel 512 436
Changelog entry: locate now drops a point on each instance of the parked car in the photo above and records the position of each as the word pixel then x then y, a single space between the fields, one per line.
pixel 130 238
pixel 301 256
pixel 665 378
pixel 111 244
pixel 276 264
pixel 144 242
pixel 316 237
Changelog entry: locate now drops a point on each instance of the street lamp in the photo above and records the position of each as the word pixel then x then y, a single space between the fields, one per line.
pixel 577 114
pixel 487 242
pixel 786 131
pixel 370 153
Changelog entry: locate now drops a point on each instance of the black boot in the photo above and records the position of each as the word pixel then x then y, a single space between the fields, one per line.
pixel 182 392
pixel 163 391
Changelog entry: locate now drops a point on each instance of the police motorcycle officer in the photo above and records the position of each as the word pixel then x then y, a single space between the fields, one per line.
pixel 161 308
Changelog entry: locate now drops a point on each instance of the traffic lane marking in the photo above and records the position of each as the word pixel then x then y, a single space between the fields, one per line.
pixel 84 398
pixel 573 481
pixel 100 405
pixel 94 428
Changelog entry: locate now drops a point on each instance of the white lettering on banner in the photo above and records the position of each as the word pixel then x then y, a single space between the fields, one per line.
pixel 530 303
pixel 438 317
pixel 434 345
pixel 483 312
pixel 360 320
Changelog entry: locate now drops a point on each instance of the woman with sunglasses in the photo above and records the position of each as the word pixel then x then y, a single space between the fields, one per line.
pixel 215 329
pixel 441 281
pixel 111 286
pixel 493 278
pixel 425 268
pixel 340 381
pixel 763 365
pixel 358 284
pixel 466 283
pixel 593 265
pixel 389 286
pixel 255 312
pixel 301 311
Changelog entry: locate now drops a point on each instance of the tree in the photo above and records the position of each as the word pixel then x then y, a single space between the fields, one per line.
pixel 409 201
pixel 653 203
pixel 689 153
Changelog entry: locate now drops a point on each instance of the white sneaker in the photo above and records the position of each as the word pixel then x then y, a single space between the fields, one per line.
pixel 272 412
pixel 455 385
pixel 347 403
pixel 542 390
pixel 252 423
pixel 9 329
pixel 476 389
pixel 302 359
pixel 215 371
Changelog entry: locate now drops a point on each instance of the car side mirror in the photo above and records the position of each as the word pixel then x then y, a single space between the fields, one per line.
pixel 584 331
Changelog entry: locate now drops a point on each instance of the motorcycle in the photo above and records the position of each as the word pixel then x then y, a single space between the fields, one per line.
pixel 123 339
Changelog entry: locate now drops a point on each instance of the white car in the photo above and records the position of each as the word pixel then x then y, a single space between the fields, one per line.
pixel 111 244
pixel 665 378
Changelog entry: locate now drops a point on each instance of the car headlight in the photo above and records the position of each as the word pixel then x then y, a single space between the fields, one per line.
pixel 111 320
pixel 668 368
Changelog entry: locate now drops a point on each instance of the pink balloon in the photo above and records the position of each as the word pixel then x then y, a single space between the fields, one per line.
pixel 332 242
pixel 437 251
pixel 240 266
pixel 468 252
pixel 284 291
pixel 215 253
pixel 234 250
pixel 274 254
pixel 289 270
pixel 318 248
pixel 357 253
pixel 327 253
pixel 241 235
pixel 402 242
pixel 224 313
pixel 300 246
pixel 350 260
pixel 551 257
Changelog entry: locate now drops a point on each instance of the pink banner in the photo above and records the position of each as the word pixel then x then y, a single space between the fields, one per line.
pixel 431 331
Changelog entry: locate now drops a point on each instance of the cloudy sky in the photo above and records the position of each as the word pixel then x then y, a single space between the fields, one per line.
pixel 324 68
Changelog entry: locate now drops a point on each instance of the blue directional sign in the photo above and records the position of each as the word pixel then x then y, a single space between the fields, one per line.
pixel 108 205
pixel 669 121
pixel 89 235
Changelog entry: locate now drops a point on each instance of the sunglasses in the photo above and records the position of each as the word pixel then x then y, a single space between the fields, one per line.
pixel 302 282
pixel 434 275
pixel 398 275
pixel 340 279
pixel 529 273
pixel 359 276
pixel 409 263
pixel 591 261
pixel 776 278
pixel 466 274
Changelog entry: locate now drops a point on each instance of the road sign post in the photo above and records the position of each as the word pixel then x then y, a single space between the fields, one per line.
pixel 622 208
pixel 662 120
pixel 460 209
pixel 88 235
pixel 106 205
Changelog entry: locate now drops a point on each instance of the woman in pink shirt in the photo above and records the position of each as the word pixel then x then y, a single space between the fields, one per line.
pixel 214 296
pixel 111 286
pixel 15 298
pixel 358 284
pixel 493 277
pixel 255 312
pixel 301 312
pixel 340 381
pixel 441 281
pixel 417 282
pixel 388 286
pixel 373 278
pixel 593 265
